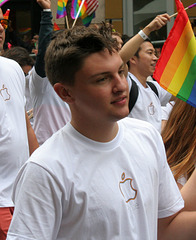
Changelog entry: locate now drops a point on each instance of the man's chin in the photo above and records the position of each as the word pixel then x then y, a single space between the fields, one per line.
pixel 123 115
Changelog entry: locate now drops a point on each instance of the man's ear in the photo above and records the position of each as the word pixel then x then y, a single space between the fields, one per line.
pixel 133 60
pixel 64 92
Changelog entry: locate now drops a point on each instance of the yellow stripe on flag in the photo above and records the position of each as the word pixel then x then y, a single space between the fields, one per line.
pixel 176 57
pixel 184 67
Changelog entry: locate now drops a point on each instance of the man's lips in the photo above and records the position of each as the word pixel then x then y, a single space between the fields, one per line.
pixel 120 100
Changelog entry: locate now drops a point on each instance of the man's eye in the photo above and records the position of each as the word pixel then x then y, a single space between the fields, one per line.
pixel 121 72
pixel 102 79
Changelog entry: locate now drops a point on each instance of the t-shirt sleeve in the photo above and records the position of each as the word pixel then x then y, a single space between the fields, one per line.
pixel 37 198
pixel 166 110
pixel 164 95
pixel 170 199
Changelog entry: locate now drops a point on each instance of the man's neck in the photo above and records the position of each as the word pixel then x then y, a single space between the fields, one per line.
pixel 96 131
pixel 140 78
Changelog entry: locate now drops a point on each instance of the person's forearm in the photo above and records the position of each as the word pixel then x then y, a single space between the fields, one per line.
pixel 183 227
pixel 131 47
pixel 32 140
pixel 46 28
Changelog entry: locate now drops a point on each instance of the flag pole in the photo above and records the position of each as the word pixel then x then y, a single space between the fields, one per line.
pixel 78 13
pixel 67 22
pixel 173 15
pixel 191 6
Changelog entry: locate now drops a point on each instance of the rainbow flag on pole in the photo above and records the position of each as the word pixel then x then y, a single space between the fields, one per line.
pixel 2 2
pixel 86 20
pixel 61 8
pixel 75 7
pixel 87 12
pixel 176 68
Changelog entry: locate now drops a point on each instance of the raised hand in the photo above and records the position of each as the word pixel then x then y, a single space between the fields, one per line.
pixel 44 4
pixel 158 22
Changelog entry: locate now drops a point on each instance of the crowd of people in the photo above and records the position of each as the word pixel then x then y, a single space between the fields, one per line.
pixel 91 146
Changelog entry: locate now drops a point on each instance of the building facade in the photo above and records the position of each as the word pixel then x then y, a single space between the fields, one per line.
pixel 127 16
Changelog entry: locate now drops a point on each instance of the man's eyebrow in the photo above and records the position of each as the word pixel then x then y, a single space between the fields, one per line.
pixel 122 65
pixel 151 50
pixel 103 73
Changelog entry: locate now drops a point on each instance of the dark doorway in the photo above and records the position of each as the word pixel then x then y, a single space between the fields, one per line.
pixel 25 16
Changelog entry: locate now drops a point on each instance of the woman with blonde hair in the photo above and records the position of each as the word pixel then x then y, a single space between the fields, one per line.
pixel 179 136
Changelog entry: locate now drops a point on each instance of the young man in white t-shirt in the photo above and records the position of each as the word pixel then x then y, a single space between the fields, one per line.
pixel 148 104
pixel 17 138
pixel 100 176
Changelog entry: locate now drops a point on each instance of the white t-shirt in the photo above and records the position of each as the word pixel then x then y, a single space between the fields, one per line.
pixel 166 110
pixel 14 150
pixel 49 111
pixel 82 189
pixel 148 104
pixel 29 105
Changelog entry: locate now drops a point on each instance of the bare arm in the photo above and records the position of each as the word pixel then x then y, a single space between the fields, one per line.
pixel 33 143
pixel 189 193
pixel 181 226
pixel 131 47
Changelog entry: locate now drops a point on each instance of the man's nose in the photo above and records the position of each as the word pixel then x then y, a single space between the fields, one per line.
pixel 120 84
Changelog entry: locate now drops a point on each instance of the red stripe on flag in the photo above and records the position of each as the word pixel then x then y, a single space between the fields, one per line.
pixel 173 38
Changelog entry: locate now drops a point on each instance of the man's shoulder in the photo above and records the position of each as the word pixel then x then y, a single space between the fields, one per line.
pixel 39 84
pixel 9 63
pixel 138 125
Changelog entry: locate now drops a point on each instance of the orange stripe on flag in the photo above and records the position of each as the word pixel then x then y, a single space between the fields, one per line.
pixel 176 57
pixel 183 67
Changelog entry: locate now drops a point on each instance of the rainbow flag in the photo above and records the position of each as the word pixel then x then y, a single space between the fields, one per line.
pixel 6 14
pixel 2 2
pixel 75 7
pixel 88 8
pixel 61 8
pixel 24 30
pixel 176 68
pixel 86 20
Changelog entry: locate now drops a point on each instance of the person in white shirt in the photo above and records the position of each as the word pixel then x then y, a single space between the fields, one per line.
pixel 17 139
pixel 50 113
pixel 21 56
pixel 100 176
pixel 148 104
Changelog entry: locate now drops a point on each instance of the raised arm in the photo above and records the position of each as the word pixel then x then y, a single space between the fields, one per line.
pixel 46 28
pixel 131 47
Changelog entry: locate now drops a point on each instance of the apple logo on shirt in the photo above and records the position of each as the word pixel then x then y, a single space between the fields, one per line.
pixel 126 188
pixel 4 93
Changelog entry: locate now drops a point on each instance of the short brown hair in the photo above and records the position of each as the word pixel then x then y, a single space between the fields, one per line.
pixel 20 55
pixel 66 53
